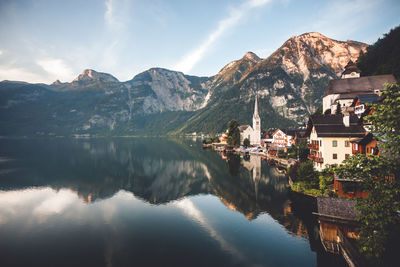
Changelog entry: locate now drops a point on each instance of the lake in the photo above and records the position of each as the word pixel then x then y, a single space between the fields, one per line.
pixel 147 202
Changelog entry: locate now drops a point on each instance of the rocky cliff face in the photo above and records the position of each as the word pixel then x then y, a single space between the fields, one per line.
pixel 289 83
pixel 161 90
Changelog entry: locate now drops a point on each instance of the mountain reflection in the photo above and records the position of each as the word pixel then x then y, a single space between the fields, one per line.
pixel 155 170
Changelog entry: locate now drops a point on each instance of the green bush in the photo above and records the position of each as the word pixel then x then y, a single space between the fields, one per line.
pixel 246 142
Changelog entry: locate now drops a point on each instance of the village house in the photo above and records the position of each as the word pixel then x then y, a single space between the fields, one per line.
pixel 330 138
pixel 350 85
pixel 283 138
pixel 252 133
pixel 360 103
pixel 366 145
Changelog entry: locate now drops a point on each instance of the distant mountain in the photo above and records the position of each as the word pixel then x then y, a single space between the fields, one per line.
pixel 383 57
pixel 289 85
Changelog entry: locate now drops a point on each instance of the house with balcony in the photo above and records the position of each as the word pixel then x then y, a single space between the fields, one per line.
pixel 330 136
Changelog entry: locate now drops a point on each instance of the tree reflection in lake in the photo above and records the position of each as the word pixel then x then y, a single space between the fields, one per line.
pixel 122 179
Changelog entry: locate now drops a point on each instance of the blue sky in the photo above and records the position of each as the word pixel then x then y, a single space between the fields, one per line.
pixel 41 41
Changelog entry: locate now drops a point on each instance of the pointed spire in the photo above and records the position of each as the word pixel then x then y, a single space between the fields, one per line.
pixel 255 115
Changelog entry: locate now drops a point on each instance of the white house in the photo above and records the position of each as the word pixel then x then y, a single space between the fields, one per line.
pixel 330 137
pixel 350 85
pixel 252 133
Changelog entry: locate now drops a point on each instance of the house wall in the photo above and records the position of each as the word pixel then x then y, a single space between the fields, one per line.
pixel 279 138
pixel 254 136
pixel 370 146
pixel 326 149
pixel 337 186
pixel 328 100
pixel 246 134
pixel 343 104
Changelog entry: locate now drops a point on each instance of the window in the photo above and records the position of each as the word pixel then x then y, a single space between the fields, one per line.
pixel 346 143
pixel 334 156
pixel 346 156
pixel 334 143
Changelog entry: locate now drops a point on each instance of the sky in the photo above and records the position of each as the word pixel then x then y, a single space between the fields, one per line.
pixel 45 40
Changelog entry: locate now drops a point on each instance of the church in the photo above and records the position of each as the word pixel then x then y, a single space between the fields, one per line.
pixel 252 133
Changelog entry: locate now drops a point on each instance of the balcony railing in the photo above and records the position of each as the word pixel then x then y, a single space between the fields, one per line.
pixel 313 146
pixel 315 158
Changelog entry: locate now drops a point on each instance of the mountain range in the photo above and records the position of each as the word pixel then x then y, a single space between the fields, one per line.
pixel 289 85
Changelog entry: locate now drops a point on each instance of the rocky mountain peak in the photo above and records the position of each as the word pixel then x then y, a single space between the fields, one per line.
pixel 235 70
pixel 310 51
pixel 91 75
pixel 57 82
pixel 251 56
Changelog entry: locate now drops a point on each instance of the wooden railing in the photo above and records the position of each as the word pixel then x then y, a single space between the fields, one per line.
pixel 315 158
pixel 313 146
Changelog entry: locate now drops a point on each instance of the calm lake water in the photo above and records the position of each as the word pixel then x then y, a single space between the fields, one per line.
pixel 147 202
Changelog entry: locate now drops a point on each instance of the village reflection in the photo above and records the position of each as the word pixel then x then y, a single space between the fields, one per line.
pixel 155 172
pixel 256 188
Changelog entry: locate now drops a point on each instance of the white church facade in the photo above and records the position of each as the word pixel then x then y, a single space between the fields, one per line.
pixel 252 133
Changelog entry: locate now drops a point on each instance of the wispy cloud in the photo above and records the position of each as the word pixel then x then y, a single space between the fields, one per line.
pixel 56 68
pixel 235 15
pixel 118 18
pixel 187 206
pixel 110 17
pixel 1 52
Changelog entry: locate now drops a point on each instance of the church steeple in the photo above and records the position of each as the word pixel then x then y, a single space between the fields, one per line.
pixel 256 117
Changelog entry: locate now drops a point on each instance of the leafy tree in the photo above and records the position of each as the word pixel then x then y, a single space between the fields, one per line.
pixel 379 175
pixel 233 133
pixel 215 139
pixel 306 173
pixel 385 120
pixel 378 222
pixel 299 151
pixel 383 57
pixel 326 180
pixel 246 142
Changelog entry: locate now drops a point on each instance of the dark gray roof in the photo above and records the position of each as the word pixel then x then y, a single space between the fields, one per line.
pixel 367 98
pixel 332 126
pixel 347 96
pixel 351 67
pixel 337 207
pixel 358 85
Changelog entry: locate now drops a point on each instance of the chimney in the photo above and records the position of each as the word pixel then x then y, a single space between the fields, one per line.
pixel 346 120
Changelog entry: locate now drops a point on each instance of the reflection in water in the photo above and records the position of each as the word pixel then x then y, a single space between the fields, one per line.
pixel 46 186
pixel 192 211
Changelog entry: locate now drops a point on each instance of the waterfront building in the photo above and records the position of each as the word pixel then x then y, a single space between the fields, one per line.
pixel 252 133
pixel 330 138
